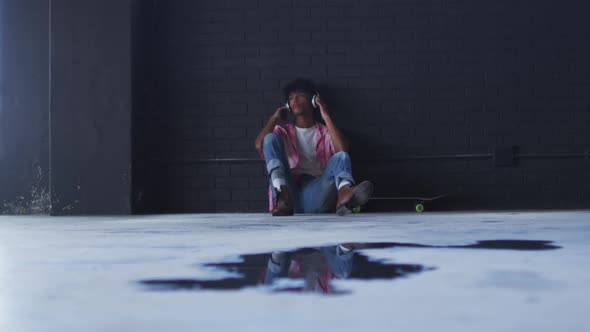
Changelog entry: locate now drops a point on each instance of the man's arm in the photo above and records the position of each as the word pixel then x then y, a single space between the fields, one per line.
pixel 340 143
pixel 270 125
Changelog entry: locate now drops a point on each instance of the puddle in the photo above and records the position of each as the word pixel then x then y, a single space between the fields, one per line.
pixel 315 269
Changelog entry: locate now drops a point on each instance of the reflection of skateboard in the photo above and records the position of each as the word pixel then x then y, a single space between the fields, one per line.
pixel 419 202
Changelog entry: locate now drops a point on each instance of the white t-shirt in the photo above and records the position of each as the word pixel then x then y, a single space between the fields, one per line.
pixel 308 159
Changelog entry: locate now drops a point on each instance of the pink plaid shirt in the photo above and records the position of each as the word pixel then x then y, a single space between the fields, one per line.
pixel 324 149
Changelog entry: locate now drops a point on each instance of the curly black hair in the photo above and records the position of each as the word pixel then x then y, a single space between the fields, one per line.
pixel 300 85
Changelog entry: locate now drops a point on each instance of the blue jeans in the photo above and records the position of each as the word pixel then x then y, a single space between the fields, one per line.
pixel 339 263
pixel 310 194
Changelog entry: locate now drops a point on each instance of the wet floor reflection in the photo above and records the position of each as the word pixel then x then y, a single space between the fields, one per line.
pixel 315 269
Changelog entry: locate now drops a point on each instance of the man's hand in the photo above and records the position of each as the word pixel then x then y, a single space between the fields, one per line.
pixel 281 113
pixel 338 140
pixel 322 105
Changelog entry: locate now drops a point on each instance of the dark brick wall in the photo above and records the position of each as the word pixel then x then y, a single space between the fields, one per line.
pixel 403 78
pixel 91 103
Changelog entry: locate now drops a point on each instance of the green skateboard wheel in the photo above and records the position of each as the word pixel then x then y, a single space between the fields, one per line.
pixel 419 207
pixel 356 209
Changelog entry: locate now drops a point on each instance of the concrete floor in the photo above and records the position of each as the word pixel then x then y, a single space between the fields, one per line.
pixel 82 273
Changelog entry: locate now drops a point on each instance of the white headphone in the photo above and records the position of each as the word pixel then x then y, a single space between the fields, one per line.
pixel 313 103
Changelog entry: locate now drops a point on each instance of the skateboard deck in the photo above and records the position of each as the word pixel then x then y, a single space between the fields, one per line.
pixel 419 201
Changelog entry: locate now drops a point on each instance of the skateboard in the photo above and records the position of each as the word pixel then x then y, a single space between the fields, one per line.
pixel 419 202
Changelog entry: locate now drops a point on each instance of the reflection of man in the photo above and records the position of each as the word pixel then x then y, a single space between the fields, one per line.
pixel 307 162
pixel 316 268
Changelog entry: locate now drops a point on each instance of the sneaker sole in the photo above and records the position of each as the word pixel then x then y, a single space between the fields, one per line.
pixel 283 214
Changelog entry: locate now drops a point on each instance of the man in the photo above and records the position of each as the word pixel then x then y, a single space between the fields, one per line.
pixel 307 162
pixel 317 267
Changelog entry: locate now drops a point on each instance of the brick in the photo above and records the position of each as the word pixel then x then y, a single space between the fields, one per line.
pixel 243 145
pixel 206 182
pixel 258 182
pixel 258 206
pixel 276 72
pixel 308 3
pixel 227 109
pixel 215 195
pixel 248 195
pixel 231 206
pixel 247 170
pixel 231 182
pixel 343 71
pixel 263 61
pixel 230 132
pixel 265 36
pixel 282 4
pixel 196 134
pixel 276 49
pixel 230 85
pixel 213 170
pixel 246 48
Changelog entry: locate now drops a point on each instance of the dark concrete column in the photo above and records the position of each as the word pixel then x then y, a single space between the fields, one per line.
pixel 91 105
pixel 24 86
